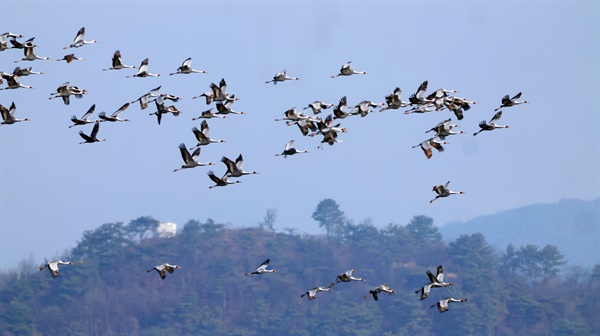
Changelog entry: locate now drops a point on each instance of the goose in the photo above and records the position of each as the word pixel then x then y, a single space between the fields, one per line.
pixel 203 135
pixel 162 269
pixel 8 115
pixel 383 288
pixel 117 64
pixel 79 41
pixel 419 98
pixel 191 160
pixel 394 101
pixel 13 83
pixel 53 266
pixel 291 115
pixel 85 119
pixel 443 191
pixel 143 71
pixel 225 108
pixel 428 144
pixel 235 169
pixel 312 293
pixel 491 125
pixel 262 268
pixel 339 111
pixel 65 91
pixel 444 129
pixel 347 277
pixel 508 102
pixel 305 126
pixel 219 92
pixel 434 281
pixel 209 114
pixel 443 304
pixel 70 58
pixel 93 136
pixel 290 150
pixel 281 77
pixel 220 182
pixel 186 68
pixel 346 70
pixel 115 116
pixel 318 106
pixel 30 55
pixel 26 72
pixel 145 98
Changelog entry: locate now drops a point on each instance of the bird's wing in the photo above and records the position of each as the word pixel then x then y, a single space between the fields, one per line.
pixel 95 130
pixel 432 278
pixel 80 35
pixel 239 162
pixel 289 145
pixel 143 66
pixel 264 265
pixel 185 154
pixel 89 112
pixel 121 110
pixel 214 178
pixel 506 100
pixel 4 112
pixel 446 185
pixel 187 62
pixel 517 96
pixel 496 117
pixel 85 136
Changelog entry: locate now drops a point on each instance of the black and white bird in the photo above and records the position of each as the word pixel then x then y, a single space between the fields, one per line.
pixel 485 126
pixel 220 182
pixel 29 55
pixel 508 102
pixel 318 106
pixel 145 98
pixel 219 92
pixel 22 72
pixel 281 77
pixel 340 110
pixel 117 63
pixel 115 116
pixel 430 143
pixel 348 277
pixel 225 107
pixel 235 169
pixel 312 293
pixel 186 68
pixel 85 119
pixel 209 114
pixel 444 129
pixel 65 91
pixel 443 304
pixel 8 115
pixel 383 288
pixel 419 97
pixel 93 137
pixel 203 135
pixel 191 160
pixel 262 268
pixel 79 41
pixel 70 58
pixel 163 269
pixel 4 39
pixel 443 191
pixel 53 266
pixel 143 71
pixel 394 101
pixel 12 82
pixel 436 281
pixel 290 150
pixel 347 70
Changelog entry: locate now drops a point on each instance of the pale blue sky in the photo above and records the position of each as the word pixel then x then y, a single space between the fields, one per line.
pixel 52 188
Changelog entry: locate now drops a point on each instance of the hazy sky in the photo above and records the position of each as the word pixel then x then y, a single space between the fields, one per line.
pixel 52 188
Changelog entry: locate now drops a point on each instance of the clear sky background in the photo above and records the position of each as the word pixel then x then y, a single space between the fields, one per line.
pixel 52 189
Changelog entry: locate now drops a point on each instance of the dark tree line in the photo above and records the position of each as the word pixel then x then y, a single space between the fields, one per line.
pixel 108 291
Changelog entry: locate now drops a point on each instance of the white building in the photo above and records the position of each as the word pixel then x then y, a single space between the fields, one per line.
pixel 166 230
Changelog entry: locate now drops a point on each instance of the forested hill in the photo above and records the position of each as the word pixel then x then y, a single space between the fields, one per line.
pixel 571 225
pixel 107 290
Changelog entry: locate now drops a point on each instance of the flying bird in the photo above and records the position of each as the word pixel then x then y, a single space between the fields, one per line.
pixel 491 125
pixel 443 191
pixel 115 116
pixel 348 277
pixel 117 64
pixel 346 70
pixel 186 68
pixel 383 288
pixel 65 91
pixel 203 135
pixel 290 150
pixel 143 71
pixel 234 169
pixel 430 143
pixel 220 182
pixel 85 119
pixel 8 115
pixel 508 102
pixel 262 268
pixel 163 269
pixel 281 77
pixel 53 266
pixel 93 136
pixel 70 58
pixel 436 281
pixel 443 304
pixel 312 293
pixel 190 160
pixel 79 41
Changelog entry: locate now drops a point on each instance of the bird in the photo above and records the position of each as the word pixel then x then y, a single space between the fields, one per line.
pixel 508 102
pixel 13 83
pixel 444 129
pixel 203 135
pixel 117 64
pixel 362 108
pixel 220 182
pixel 4 39
pixel 262 268
pixel 219 93
pixel 145 98
pixel 53 266
pixel 115 116
pixel 491 125
pixel 143 70
pixel 290 150
pixel 383 288
pixel 457 106
pixel 312 293
pixel 209 114
pixel 443 191
pixel 317 106
pixel 428 144
pixel 162 109
pixel 443 304
pixel 347 277
pixel 65 91
pixel 339 111
pixel 186 68
pixel 207 95
pixel 225 108
pixel 22 72
pixel 394 101
pixel 85 119
pixel 305 126
pixel 79 41
pixel 291 115
pixel 163 269
pixel 326 126
pixel 93 136
pixel 419 98
pixel 18 45
pixel 346 70
pixel 30 55
pixel 281 77
pixel 191 160
pixel 434 281
pixel 234 169
pixel 8 115
pixel 70 58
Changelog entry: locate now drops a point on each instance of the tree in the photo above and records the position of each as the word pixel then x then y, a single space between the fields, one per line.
pixel 423 230
pixel 329 216
pixel 269 220
pixel 141 227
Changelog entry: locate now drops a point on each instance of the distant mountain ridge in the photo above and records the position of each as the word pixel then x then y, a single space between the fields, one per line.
pixel 572 225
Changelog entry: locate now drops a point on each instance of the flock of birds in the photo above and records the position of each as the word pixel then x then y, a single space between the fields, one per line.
pixel 327 128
